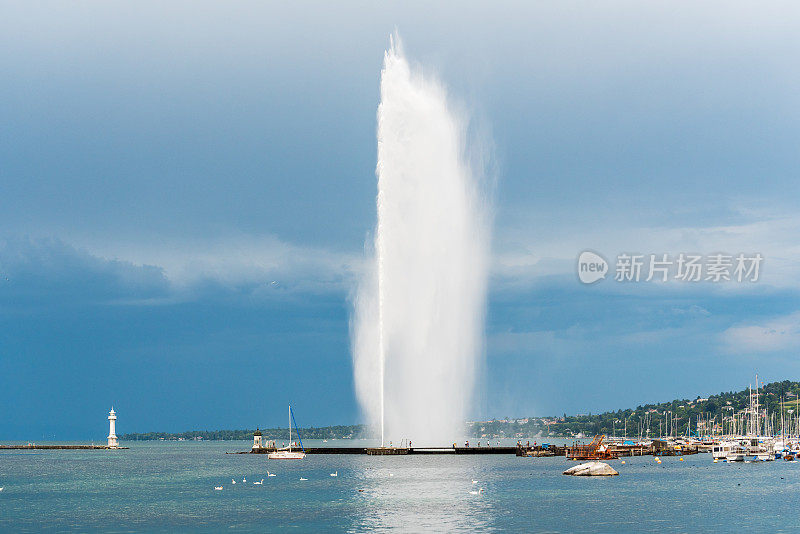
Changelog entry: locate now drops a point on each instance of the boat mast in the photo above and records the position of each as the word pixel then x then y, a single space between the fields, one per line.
pixel 290 428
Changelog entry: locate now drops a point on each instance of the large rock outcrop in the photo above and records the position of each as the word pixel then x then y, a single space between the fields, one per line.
pixel 591 469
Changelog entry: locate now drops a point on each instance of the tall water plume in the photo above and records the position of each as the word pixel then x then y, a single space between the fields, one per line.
pixel 418 319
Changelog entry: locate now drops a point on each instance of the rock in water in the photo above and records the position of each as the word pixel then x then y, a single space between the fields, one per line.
pixel 591 469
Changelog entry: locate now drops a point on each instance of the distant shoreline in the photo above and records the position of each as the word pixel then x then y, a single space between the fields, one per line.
pixel 685 415
pixel 328 432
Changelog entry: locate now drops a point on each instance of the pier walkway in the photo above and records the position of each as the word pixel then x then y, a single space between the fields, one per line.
pixel 34 447
pixel 391 451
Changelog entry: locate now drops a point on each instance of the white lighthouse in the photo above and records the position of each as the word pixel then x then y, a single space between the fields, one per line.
pixel 112 436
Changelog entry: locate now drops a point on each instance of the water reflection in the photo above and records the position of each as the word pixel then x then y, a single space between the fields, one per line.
pixel 422 494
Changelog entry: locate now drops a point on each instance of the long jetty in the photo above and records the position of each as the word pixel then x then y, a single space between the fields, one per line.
pixel 33 446
pixel 614 450
pixel 398 451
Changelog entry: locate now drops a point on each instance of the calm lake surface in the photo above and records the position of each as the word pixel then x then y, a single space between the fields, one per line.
pixel 169 486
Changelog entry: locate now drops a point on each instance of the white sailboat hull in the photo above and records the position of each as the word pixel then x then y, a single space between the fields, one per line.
pixel 286 455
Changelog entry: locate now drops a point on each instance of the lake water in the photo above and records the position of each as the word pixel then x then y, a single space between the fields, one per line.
pixel 169 486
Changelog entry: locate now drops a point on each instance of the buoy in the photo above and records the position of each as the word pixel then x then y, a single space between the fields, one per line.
pixel 623 462
pixel 680 460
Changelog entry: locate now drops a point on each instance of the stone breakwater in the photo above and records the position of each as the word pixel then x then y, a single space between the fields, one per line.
pixel 33 446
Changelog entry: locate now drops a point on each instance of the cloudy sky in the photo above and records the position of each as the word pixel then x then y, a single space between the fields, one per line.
pixel 186 191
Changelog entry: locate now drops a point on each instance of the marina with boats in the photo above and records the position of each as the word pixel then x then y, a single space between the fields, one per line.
pixel 751 434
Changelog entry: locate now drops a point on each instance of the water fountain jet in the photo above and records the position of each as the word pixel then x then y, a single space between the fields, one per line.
pixel 418 317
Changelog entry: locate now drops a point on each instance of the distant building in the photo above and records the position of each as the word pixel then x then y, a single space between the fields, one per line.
pixel 112 436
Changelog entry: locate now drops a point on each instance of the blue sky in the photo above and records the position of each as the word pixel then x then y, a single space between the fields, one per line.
pixel 186 190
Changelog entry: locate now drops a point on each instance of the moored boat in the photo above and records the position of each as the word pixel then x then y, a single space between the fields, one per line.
pixel 721 450
pixel 287 453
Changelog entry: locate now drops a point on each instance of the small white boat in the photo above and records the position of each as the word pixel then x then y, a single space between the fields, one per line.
pixel 721 450
pixel 738 452
pixel 750 450
pixel 288 453
pixel 217 488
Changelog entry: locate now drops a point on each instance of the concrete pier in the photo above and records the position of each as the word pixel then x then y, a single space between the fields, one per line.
pixel 387 451
pixel 392 451
pixel 33 446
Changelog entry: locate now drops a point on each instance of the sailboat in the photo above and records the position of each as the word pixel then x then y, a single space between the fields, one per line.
pixel 287 453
